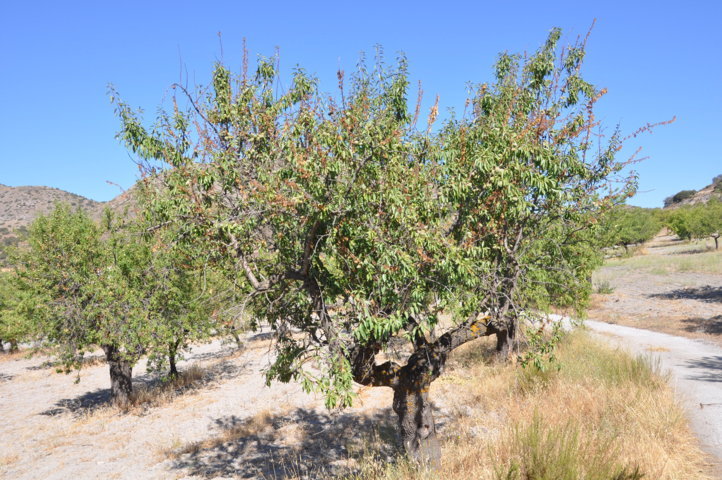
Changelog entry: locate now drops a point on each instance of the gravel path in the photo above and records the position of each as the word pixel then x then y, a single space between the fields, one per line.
pixel 696 374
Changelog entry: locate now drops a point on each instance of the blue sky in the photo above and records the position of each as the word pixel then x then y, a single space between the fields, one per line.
pixel 658 60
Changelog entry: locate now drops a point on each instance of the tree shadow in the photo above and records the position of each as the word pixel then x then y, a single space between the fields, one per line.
pixel 151 385
pixel 5 377
pixel 707 294
pixel 711 369
pixel 86 361
pixel 692 251
pixel 303 443
pixel 226 351
pixel 712 325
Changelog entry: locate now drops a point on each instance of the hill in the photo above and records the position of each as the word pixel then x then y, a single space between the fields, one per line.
pixel 19 206
pixel 693 197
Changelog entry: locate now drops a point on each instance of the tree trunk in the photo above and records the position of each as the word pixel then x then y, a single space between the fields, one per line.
pixel 121 375
pixel 2 347
pixel 172 354
pixel 506 340
pixel 716 242
pixel 13 346
pixel 417 431
pixel 236 338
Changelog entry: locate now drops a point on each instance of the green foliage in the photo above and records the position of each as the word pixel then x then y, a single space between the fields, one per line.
pixel 345 225
pixel 625 225
pixel 17 305
pixel 540 354
pixel 110 285
pixel 696 221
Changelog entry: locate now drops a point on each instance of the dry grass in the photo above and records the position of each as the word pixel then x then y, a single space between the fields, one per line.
pixel 657 349
pixel 259 425
pixel 167 390
pixel 7 460
pixel 602 415
pixel 12 356
pixel 684 261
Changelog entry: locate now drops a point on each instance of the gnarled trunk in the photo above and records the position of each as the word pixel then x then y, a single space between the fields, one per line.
pixel 410 383
pixel 121 375
pixel 172 355
pixel 417 430
pixel 506 340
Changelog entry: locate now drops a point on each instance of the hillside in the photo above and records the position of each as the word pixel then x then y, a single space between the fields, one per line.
pixel 19 206
pixel 693 197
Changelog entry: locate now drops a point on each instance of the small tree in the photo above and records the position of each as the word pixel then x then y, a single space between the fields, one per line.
pixel 110 286
pixel 351 229
pixel 626 225
pixel 697 221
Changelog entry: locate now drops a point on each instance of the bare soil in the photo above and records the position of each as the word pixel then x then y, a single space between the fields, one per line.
pixel 230 425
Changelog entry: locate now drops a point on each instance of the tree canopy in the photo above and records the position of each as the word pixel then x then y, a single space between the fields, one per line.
pixel 349 226
pixel 110 285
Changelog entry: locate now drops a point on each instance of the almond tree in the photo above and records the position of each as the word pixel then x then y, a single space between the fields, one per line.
pixel 352 229
pixel 111 287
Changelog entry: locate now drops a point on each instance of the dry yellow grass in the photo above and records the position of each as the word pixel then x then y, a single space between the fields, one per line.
pixel 257 426
pixel 166 391
pixel 602 415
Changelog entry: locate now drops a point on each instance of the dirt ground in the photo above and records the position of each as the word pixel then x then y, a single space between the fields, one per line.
pixel 230 424
pixel 669 286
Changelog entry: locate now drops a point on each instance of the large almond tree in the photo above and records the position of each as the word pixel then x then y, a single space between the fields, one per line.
pixel 352 225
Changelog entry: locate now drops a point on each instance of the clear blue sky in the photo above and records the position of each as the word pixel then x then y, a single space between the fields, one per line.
pixel 657 58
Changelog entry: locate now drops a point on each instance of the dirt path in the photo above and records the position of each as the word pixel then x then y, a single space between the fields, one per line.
pixel 696 373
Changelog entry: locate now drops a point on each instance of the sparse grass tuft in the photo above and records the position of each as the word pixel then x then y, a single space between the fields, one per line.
pixel 603 287
pixel 255 426
pixel 165 391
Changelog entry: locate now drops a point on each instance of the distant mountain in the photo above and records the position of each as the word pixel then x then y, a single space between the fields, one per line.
pixel 693 197
pixel 19 206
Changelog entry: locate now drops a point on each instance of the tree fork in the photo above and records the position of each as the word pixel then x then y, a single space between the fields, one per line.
pixel 410 383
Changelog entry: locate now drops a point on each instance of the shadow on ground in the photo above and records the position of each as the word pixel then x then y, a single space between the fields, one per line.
pixel 712 369
pixel 300 444
pixel 85 361
pixel 150 383
pixel 712 325
pixel 706 294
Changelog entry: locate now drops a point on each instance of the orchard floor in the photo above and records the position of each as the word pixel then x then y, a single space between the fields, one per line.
pixel 669 286
pixel 54 428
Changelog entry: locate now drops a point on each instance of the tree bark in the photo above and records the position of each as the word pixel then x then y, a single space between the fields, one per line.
pixel 172 354
pixel 410 383
pixel 716 242
pixel 417 430
pixel 236 338
pixel 121 375
pixel 13 346
pixel 506 340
